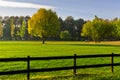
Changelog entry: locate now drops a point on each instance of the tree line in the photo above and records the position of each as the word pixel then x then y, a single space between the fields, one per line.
pixel 16 28
pixel 101 29
pixel 46 25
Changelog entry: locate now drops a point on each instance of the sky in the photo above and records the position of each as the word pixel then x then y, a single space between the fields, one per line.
pixel 85 9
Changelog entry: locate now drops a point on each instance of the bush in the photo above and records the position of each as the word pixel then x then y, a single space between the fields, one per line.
pixel 65 35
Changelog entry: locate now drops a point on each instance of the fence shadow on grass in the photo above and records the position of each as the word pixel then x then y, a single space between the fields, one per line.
pixel 66 77
pixel 81 77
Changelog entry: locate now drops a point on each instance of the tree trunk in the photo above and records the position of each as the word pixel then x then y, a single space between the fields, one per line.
pixel 43 41
pixel 22 38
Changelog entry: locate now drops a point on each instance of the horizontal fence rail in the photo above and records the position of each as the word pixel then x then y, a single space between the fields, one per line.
pixel 74 67
pixel 57 57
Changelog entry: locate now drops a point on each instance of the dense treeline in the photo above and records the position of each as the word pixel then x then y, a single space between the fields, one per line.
pixel 70 28
pixel 16 28
pixel 101 29
pixel 45 24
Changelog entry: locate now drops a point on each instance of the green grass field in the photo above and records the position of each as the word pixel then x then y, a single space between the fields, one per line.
pixel 11 49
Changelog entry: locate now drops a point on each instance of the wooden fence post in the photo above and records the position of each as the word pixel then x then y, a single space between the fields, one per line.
pixel 28 68
pixel 112 62
pixel 74 64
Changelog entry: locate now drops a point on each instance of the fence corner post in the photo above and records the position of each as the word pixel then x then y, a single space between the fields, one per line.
pixel 75 64
pixel 112 62
pixel 28 68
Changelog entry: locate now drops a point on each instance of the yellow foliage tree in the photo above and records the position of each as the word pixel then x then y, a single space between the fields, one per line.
pixel 44 24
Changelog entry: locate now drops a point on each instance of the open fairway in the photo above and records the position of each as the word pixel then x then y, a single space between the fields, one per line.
pixel 12 49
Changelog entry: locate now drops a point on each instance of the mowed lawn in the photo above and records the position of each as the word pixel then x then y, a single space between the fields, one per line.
pixel 11 49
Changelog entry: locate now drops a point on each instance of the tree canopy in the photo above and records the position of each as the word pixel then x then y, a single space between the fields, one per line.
pixel 1 29
pixel 100 29
pixel 44 24
pixel 21 33
pixel 12 28
pixel 65 35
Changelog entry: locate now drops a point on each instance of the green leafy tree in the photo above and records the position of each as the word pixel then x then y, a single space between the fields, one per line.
pixel 1 30
pixel 65 35
pixel 16 33
pixel 78 28
pixel 116 24
pixel 21 33
pixel 99 29
pixel 87 29
pixel 102 29
pixel 94 29
pixel 44 24
pixel 62 26
pixel 12 28
pixel 108 30
pixel 118 29
pixel 7 30
pixel 70 26
pixel 26 30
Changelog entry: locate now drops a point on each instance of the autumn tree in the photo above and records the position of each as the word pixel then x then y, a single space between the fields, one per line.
pixel 95 29
pixel 116 24
pixel 98 29
pixel 44 23
pixel 109 30
pixel 87 29
pixel 102 29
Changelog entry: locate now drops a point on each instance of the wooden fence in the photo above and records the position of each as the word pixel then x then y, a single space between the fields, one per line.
pixel 74 67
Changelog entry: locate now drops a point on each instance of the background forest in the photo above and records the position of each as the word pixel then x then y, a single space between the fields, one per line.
pixel 98 29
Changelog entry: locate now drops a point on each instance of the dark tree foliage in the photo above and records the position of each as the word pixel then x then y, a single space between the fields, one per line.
pixel 62 26
pixel 7 30
pixel 97 29
pixel 70 26
pixel 78 26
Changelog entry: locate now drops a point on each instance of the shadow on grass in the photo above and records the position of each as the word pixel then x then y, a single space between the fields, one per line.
pixel 66 77
pixel 87 44
pixel 81 77
pixel 94 45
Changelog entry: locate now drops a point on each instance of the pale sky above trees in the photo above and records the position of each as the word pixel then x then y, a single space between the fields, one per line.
pixel 85 9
